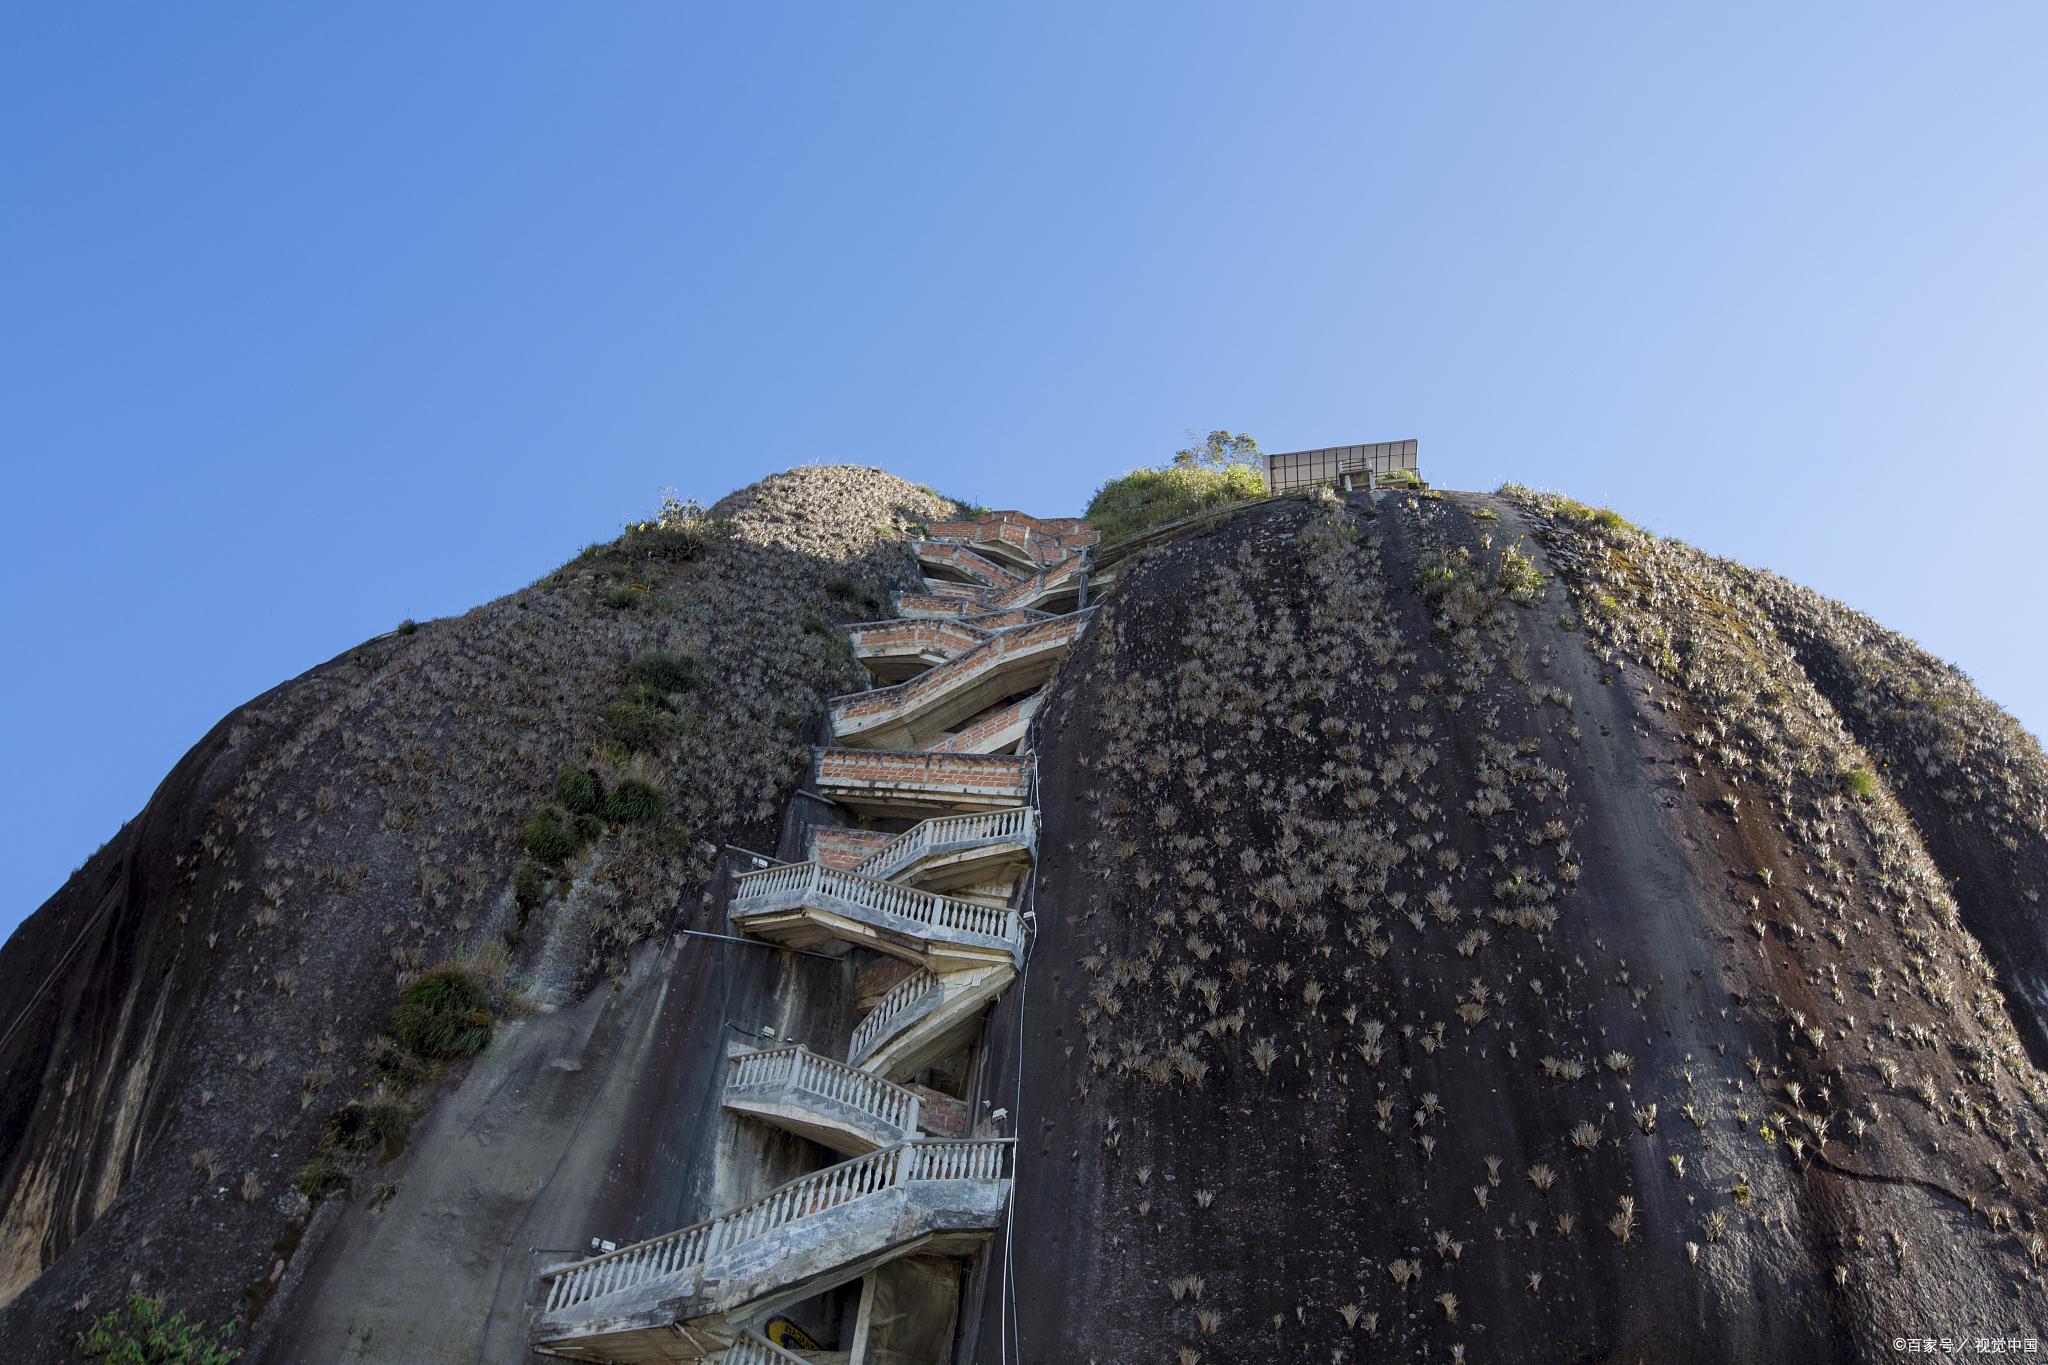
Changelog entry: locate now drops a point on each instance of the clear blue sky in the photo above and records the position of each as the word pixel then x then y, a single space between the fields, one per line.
pixel 320 316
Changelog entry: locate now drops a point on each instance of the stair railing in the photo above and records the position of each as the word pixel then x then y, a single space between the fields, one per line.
pixel 919 1159
pixel 925 835
pixel 799 1068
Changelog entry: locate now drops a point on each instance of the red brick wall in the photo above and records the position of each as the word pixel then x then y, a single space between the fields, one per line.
pixel 985 729
pixel 843 848
pixel 873 981
pixel 940 1115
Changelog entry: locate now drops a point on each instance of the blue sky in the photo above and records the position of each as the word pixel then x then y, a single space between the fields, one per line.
pixel 318 317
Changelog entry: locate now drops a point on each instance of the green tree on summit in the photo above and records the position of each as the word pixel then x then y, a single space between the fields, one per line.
pixel 1219 450
pixel 1212 471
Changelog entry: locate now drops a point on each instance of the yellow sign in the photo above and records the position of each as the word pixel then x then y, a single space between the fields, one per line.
pixel 785 1333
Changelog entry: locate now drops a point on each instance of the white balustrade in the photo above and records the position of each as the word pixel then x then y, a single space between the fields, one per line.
pixel 925 835
pixel 801 1069
pixel 974 1159
pixel 924 1159
pixel 878 1021
pixel 925 908
pixel 754 1349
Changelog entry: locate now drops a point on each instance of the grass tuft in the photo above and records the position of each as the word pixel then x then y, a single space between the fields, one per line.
pixel 631 802
pixel 577 788
pixel 401 1068
pixel 446 1013
pixel 665 672
pixel 547 840
pixel 638 724
pixel 323 1176
pixel 379 1123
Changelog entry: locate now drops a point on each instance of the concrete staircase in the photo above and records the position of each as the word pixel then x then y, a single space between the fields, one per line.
pixel 1054 589
pixel 804 905
pixel 965 666
pixel 951 562
pixel 835 1105
pixel 924 1017
pixel 679 1296
pixel 953 850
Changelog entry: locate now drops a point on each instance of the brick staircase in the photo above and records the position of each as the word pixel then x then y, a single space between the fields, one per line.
pixel 875 784
pixel 911 714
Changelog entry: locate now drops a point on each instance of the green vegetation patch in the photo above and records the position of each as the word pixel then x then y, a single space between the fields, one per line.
pixel 139 1333
pixel 1145 498
pixel 1436 579
pixel 858 600
pixel 681 531
pixel 664 672
pixel 547 840
pixel 446 1013
pixel 1860 783
pixel 632 802
pixel 323 1176
pixel 644 718
pixel 1590 517
pixel 963 510
pixel 531 884
pixel 379 1123
pixel 1518 575
pixel 638 724
pixel 577 789
pixel 400 1067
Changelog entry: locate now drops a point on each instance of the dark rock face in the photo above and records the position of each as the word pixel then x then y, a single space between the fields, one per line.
pixel 1450 956
pixel 188 1012
pixel 1467 929
pixel 1972 781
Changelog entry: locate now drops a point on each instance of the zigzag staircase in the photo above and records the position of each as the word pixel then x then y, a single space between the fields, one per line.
pixel 933 772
